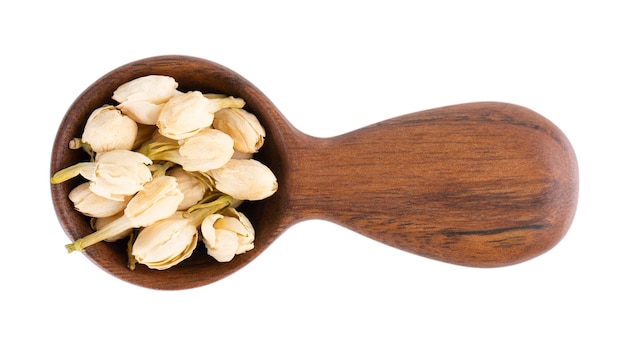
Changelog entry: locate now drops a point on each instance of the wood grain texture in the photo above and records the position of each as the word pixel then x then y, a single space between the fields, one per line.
pixel 481 184
pixel 485 184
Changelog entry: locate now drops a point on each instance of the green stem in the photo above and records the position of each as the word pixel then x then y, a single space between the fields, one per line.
pixel 114 228
pixel 69 172
pixel 171 155
pixel 198 212
pixel 205 179
pixel 155 148
pixel 160 169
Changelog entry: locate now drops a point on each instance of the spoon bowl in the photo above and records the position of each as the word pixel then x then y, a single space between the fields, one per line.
pixel 479 184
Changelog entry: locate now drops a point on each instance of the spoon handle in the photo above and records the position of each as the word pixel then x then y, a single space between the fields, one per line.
pixel 479 184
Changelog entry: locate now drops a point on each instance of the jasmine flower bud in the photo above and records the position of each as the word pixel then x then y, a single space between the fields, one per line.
pixel 108 129
pixel 113 175
pixel 246 237
pixel 143 98
pixel 206 150
pixel 158 200
pixel 227 235
pixel 186 114
pixel 243 127
pixel 189 185
pixel 245 179
pixel 166 242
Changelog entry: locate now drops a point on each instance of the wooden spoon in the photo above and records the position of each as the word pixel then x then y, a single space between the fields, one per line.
pixel 480 184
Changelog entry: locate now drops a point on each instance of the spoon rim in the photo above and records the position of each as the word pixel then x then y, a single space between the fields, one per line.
pixel 207 76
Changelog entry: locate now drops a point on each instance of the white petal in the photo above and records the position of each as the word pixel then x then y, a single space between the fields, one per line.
pixel 243 127
pixel 166 242
pixel 158 200
pixel 153 88
pixel 185 115
pixel 108 129
pixel 119 173
pixel 208 149
pixel 226 245
pixel 245 179
pixel 189 185
pixel 207 229
pixel 92 205
pixel 143 112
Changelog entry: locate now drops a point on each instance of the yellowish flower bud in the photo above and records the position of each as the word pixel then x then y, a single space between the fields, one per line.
pixel 108 129
pixel 189 185
pixel 118 173
pixel 243 127
pixel 143 98
pixel 167 167
pixel 113 175
pixel 166 242
pixel 226 236
pixel 206 150
pixel 246 237
pixel 158 200
pixel 245 179
pixel 209 149
pixel 92 205
pixel 185 115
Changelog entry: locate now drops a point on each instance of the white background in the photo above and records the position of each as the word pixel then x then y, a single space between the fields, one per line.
pixel 330 67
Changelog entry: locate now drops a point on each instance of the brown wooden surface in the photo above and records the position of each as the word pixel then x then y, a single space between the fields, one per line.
pixel 482 184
